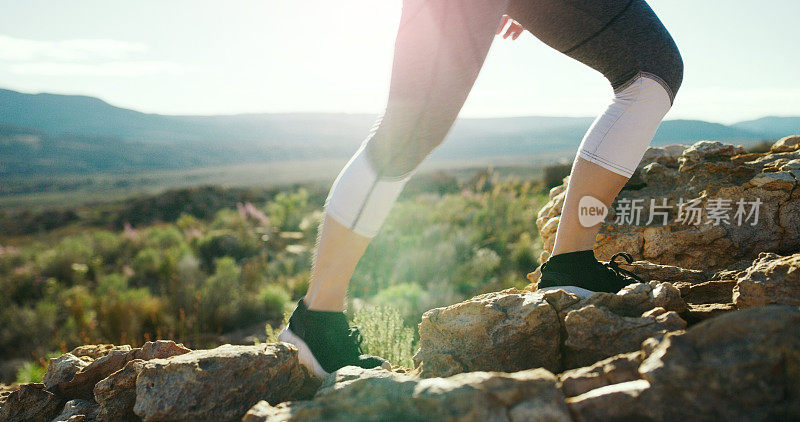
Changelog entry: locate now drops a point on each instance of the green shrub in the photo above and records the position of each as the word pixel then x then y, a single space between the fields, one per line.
pixel 30 372
pixel 385 335
pixel 288 209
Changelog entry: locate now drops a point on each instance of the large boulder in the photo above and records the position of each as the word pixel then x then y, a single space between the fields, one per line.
pixel 354 394
pixel 504 331
pixel 743 365
pixel 514 330
pixel 772 279
pixel 221 383
pixel 706 172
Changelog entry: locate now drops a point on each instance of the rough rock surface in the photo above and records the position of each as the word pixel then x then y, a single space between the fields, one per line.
pixel 514 330
pixel 504 331
pixel 30 402
pixel 78 409
pixel 614 370
pixel 116 394
pixel 704 171
pixel 743 365
pixel 595 333
pixel 221 383
pixel 475 396
pixel 111 360
pixel 772 279
pixel 62 369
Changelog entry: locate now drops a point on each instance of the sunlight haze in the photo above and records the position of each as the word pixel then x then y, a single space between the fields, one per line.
pixel 213 57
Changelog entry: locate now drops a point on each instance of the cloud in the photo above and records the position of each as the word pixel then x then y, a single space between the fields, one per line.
pixel 91 57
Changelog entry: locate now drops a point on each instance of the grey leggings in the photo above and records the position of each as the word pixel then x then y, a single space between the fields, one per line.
pixel 441 46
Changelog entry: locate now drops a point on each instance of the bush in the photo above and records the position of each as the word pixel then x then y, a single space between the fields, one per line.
pixel 554 174
pixel 30 372
pixel 385 335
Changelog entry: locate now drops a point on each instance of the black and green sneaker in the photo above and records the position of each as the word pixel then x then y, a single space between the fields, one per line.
pixel 582 274
pixel 326 342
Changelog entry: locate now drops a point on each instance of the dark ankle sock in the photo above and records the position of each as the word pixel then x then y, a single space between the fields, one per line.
pixel 576 257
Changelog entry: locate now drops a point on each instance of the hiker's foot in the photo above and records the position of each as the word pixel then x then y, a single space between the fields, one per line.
pixel 582 274
pixel 326 342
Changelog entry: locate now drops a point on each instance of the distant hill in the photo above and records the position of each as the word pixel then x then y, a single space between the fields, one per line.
pixel 773 126
pixel 55 134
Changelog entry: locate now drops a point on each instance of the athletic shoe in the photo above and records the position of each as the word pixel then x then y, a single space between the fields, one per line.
pixel 326 342
pixel 587 277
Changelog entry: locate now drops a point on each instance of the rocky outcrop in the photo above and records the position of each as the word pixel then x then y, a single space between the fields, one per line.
pixel 772 279
pixel 514 330
pixel 221 383
pixel 110 360
pixel 717 176
pixel 355 394
pixel 740 366
pixel 505 331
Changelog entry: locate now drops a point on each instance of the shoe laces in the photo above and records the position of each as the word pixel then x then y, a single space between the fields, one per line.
pixel 613 267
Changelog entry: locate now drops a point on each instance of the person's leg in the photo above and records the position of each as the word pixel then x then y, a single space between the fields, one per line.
pixel 625 41
pixel 439 51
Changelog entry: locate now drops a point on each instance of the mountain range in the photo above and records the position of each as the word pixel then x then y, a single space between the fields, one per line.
pixel 48 134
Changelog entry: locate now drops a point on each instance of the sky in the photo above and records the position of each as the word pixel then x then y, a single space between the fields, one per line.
pixel 252 56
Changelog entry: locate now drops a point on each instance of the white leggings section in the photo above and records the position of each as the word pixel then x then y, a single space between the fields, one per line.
pixel 359 199
pixel 618 138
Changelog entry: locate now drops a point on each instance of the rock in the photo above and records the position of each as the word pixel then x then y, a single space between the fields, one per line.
pixel 111 360
pixel 96 351
pixel 595 333
pixel 637 298
pixel 712 291
pixel 221 383
pixel 116 394
pixel 614 370
pixel 618 402
pixel 62 369
pixel 697 313
pixel 5 391
pixel 743 365
pixel 503 331
pixel 704 172
pixel 30 402
pixel 82 383
pixel 475 396
pixel 160 349
pixel 772 279
pixel 77 409
pixel 787 144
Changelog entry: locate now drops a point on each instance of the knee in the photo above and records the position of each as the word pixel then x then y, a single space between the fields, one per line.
pixel 394 156
pixel 671 69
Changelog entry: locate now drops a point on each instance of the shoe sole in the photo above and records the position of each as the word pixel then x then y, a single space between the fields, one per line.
pixel 304 353
pixel 580 291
